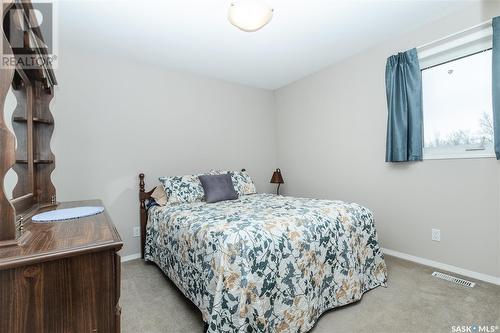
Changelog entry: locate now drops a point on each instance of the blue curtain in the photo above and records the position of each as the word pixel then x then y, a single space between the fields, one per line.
pixel 403 81
pixel 496 84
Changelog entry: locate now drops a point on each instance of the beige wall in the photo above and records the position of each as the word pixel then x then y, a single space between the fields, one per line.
pixel 331 131
pixel 116 118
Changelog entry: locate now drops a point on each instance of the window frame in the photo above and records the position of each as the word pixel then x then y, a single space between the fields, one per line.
pixel 483 41
pixel 465 155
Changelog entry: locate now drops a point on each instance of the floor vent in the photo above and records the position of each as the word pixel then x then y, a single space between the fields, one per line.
pixel 453 279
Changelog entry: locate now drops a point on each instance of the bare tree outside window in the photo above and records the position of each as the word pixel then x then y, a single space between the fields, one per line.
pixel 457 103
pixel 486 124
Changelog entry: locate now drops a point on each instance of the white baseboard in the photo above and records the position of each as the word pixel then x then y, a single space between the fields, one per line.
pixel 131 257
pixel 419 260
pixel 445 267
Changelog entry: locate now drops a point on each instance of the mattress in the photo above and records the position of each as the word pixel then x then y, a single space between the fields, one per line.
pixel 266 263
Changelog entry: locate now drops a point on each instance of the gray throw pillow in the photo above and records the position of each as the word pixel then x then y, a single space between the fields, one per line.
pixel 218 188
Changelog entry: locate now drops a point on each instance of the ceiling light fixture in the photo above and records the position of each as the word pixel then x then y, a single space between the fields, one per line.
pixel 249 15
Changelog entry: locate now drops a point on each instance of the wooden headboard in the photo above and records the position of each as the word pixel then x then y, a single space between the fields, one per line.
pixel 143 198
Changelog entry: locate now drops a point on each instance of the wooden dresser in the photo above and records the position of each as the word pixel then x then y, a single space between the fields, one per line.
pixel 56 277
pixel 66 278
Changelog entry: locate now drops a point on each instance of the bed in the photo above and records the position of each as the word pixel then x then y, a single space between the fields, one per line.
pixel 264 263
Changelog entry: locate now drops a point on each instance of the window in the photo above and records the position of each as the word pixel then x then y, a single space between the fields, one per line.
pixel 457 97
pixel 457 106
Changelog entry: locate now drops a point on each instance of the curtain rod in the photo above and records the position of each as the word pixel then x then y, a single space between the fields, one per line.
pixel 453 35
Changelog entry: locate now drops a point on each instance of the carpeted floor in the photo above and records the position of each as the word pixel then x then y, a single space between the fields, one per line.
pixel 414 302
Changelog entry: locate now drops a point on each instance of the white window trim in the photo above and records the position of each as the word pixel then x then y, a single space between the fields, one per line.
pixel 464 43
pixel 429 157
pixel 458 152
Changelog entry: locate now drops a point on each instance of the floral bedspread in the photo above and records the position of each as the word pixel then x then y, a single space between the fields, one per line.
pixel 266 263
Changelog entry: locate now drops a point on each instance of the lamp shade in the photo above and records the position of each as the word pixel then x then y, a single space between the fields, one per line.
pixel 277 178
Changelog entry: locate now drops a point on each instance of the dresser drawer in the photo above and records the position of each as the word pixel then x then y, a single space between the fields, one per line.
pixel 75 294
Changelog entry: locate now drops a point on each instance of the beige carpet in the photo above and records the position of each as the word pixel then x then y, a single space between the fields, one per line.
pixel 414 302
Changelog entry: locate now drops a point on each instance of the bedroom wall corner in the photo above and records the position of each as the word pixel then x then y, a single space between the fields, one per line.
pixel 116 118
pixel 333 124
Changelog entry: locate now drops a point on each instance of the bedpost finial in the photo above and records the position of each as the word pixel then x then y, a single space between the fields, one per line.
pixel 141 182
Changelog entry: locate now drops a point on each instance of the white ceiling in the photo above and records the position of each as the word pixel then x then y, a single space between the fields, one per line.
pixel 195 35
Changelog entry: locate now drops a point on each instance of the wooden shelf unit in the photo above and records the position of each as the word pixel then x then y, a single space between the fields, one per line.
pixel 33 125
pixel 32 122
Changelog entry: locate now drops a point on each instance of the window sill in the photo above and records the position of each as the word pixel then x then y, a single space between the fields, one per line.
pixel 457 157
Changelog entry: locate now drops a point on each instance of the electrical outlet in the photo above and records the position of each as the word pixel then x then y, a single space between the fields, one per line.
pixel 136 232
pixel 436 235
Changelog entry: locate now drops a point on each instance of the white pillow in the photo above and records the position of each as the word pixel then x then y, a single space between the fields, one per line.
pixel 160 196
